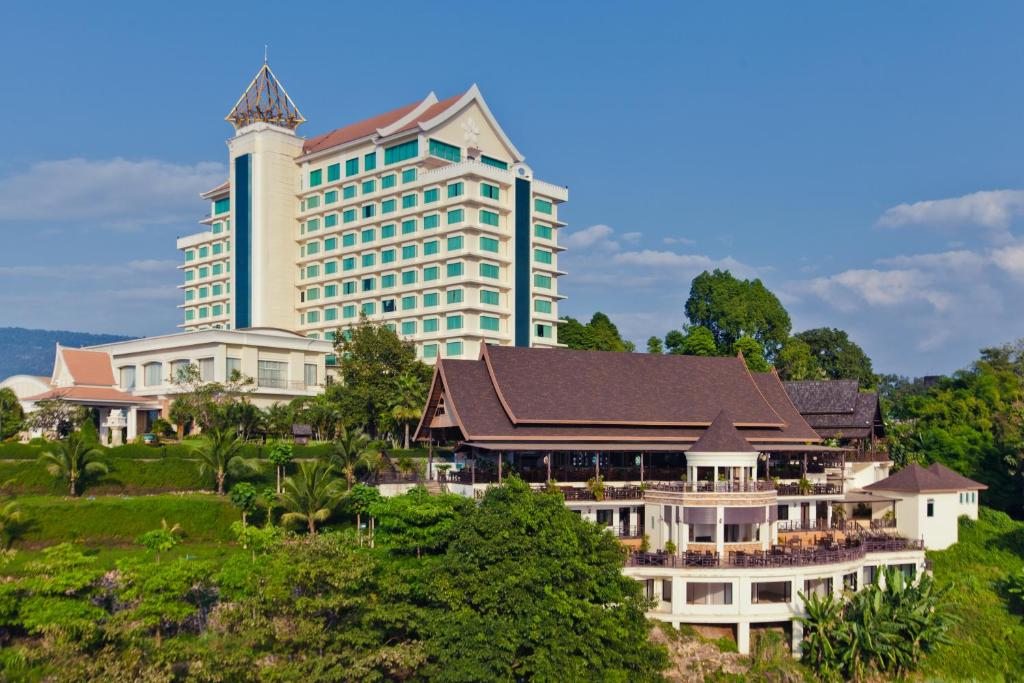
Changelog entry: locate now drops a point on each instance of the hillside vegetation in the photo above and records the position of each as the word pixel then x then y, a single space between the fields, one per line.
pixel 30 352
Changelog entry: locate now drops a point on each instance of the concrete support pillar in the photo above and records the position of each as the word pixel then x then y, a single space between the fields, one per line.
pixel 743 637
pixel 719 527
pixel 828 514
pixel 684 537
pixel 133 424
pixel 798 636
pixel 615 520
pixel 765 534
pixel 678 595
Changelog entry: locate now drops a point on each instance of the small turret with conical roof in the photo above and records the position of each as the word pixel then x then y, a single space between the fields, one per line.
pixel 722 437
pixel 265 101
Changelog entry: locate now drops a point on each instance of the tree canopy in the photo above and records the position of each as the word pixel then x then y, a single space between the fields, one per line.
pixel 600 334
pixel 838 356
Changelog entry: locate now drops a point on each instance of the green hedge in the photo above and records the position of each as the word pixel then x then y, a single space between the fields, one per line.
pixel 116 519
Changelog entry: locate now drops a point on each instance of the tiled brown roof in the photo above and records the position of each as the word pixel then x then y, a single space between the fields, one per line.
pixel 603 387
pixel 836 408
pixel 916 479
pixel 431 111
pixel 89 367
pixel 797 428
pixel 340 136
pixel 92 394
pixel 721 437
pixel 823 396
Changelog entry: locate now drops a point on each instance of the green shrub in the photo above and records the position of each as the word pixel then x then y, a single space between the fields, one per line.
pixel 21 451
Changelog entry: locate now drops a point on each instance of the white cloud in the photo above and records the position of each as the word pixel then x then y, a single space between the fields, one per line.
pixel 595 237
pixel 1011 260
pixel 875 287
pixel 961 260
pixel 689 262
pixel 632 236
pixel 992 210
pixel 88 271
pixel 679 240
pixel 112 193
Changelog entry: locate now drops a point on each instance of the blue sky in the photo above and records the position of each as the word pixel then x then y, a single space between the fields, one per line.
pixel 866 160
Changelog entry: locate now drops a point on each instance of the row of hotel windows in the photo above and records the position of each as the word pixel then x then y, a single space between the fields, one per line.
pixel 393 155
pixel 270 373
pixel 408 252
pixel 431 221
pixel 408 303
pixel 206 271
pixel 208 250
pixel 203 292
pixel 213 311
pixel 366 187
pixel 454 269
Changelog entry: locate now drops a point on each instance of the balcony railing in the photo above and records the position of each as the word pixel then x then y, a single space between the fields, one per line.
pixel 712 486
pixel 793 489
pixel 631 530
pixel 539 475
pixel 277 383
pixel 610 493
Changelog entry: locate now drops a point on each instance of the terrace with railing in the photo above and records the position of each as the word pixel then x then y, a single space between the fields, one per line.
pixel 795 489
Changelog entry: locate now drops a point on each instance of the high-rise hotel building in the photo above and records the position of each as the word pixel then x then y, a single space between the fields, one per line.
pixel 425 218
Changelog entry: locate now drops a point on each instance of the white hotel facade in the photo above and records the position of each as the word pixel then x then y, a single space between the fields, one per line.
pixel 425 218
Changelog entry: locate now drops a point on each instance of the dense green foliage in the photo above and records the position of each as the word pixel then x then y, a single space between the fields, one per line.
pixel 834 356
pixel 30 352
pixel 11 414
pixel 972 422
pixel 600 334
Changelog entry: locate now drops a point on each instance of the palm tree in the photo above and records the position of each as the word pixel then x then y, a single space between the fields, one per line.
pixel 73 460
pixel 312 495
pixel 351 449
pixel 221 453
pixel 408 404
pixel 13 523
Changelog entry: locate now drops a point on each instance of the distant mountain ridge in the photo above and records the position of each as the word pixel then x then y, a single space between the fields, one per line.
pixel 30 352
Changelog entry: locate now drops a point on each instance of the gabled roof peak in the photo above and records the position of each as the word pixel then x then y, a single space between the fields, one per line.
pixel 265 101
pixel 722 437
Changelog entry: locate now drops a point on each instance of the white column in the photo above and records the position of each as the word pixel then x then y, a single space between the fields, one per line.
pixel 615 520
pixel 719 526
pixel 828 514
pixel 678 594
pixel 742 636
pixel 133 424
pixel 798 636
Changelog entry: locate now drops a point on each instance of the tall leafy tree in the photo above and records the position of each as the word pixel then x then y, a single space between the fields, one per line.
pixel 654 345
pixel 731 308
pixel 351 449
pixel 410 396
pixel 795 361
pixel 838 356
pixel 311 495
pixel 12 417
pixel 75 461
pixel 244 496
pixel 600 334
pixel 698 341
pixel 281 455
pixel 57 416
pixel 418 522
pixel 159 597
pixel 751 350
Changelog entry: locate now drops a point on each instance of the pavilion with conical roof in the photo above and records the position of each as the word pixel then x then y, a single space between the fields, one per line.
pixel 265 101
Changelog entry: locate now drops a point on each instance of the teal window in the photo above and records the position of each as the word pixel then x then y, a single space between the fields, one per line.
pixel 204 292
pixel 204 312
pixel 430 300
pixel 330 291
pixel 387 231
pixel 348 311
pixel 369 284
pixel 430 325
pixel 455 243
pixel 542 206
pixel 541 305
pixel 330 220
pixel 453 349
pixel 312 202
pixel 489 244
pixel 431 273
pixel 330 314
pixel 368 235
pixel 488 322
pixel 544 331
pixel 369 211
pixel 406 150
pixel 455 216
pixel 369 308
pixel 432 221
pixel 333 172
pixel 542 281
pixel 409 327
pixel 429 350
pixel 370 161
pixel 387 256
pixel 369 260
pixel 455 269
pixel 387 281
pixel 455 190
pixel 190 314
pixel 348 287
pixel 312 248
pixel 348 216
pixel 409 227
pixel 330 267
pixel 369 186
pixel 444 150
pixel 489 270
pixel 312 294
pixel 430 247
pixel 348 239
pixel 387 206
pixel 330 197
pixel 348 263
pixel 190 275
pixel 387 181
pixel 489 297
pixel 217 269
pixel 312 225
pixel 408 201
pixel 204 252
pixel 218 228
pixel 453 322
pixel 409 251
pixel 312 271
pixel 409 277
pixel 348 192
pixel 190 255
pixel 491 161
pixel 222 206
pixel 431 195
pixel 489 218
pixel 408 303
pixel 409 175
pixel 454 296
pixel 190 294
pixel 542 256
pixel 204 272
pixel 311 317
pixel 490 191
pixel 217 290
pixel 542 231
pixel 316 177
pixel 330 244
pixel 351 167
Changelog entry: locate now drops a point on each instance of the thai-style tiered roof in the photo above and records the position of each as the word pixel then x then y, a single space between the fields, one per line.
pixel 837 408
pixel 932 479
pixel 557 399
pixel 265 101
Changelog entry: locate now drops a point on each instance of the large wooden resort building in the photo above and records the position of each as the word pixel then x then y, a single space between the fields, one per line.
pixel 732 502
